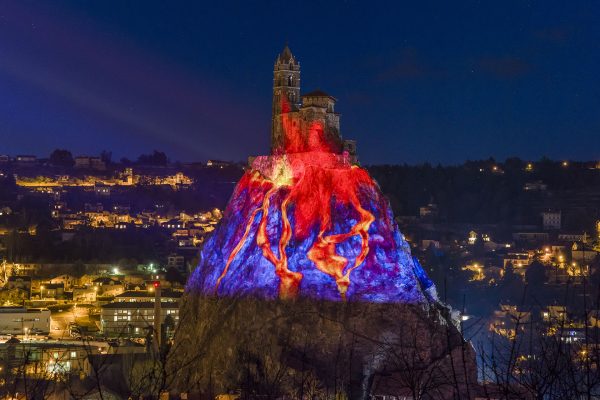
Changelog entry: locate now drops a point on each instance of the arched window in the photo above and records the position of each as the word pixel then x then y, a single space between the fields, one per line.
pixel 290 81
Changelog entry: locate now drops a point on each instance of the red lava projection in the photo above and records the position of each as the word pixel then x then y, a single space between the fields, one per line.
pixel 302 219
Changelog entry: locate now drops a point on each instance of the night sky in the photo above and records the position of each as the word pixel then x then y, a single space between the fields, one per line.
pixel 442 81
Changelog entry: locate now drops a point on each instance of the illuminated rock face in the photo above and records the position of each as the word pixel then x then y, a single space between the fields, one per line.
pixel 309 224
pixel 306 222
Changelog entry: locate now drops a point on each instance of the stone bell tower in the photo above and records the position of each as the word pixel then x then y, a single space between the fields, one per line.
pixel 286 85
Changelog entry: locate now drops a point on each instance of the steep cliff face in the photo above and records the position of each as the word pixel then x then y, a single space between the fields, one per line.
pixel 281 348
pixel 308 225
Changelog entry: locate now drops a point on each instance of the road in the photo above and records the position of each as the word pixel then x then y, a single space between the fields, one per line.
pixel 59 327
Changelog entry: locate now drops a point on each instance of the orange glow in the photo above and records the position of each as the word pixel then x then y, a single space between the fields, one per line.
pixel 237 248
pixel 314 180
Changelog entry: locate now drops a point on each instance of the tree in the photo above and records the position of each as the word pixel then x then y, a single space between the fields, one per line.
pixel 535 275
pixel 174 276
pixel 79 269
pixel 8 188
pixel 106 156
pixel 509 274
pixel 10 297
pixel 157 158
pixel 62 158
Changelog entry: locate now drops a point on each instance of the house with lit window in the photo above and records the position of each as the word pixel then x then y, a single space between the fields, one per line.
pixel 51 359
pixel 583 252
pixel 134 318
pixel 19 282
pixel 107 286
pixel 25 160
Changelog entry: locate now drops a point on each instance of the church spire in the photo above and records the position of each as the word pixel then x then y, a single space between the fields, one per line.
pixel 286 55
pixel 286 88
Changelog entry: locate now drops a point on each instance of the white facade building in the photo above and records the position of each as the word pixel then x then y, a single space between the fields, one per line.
pixel 127 319
pixel 551 220
pixel 24 321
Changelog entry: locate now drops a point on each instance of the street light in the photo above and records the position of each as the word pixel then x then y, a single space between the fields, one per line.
pixel 42 292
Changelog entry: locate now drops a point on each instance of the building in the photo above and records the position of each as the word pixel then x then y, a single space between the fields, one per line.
pixel 73 221
pixel 531 236
pixel 310 118
pixel 101 190
pixel 537 186
pixel 135 318
pixel 429 211
pixel 51 358
pixel 25 160
pixel 555 315
pixel 172 224
pixel 52 290
pixel 551 220
pixel 176 261
pixel 518 260
pixel 583 252
pixel 24 321
pixel 67 280
pixel 594 318
pixel 218 163
pixel 508 319
pixel 127 176
pixel 570 237
pixel 145 296
pixel 107 286
pixel 19 282
pixel 85 162
pixel 83 294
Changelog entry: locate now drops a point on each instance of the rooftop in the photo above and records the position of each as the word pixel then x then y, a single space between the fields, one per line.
pixel 318 93
pixel 147 305
pixel 145 293
pixel 286 55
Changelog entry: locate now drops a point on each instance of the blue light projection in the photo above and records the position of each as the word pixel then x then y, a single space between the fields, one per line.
pixel 297 226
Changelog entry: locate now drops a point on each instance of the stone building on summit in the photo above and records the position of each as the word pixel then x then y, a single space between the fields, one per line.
pixel 302 111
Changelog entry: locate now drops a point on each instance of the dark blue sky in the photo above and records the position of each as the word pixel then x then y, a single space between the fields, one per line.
pixel 420 81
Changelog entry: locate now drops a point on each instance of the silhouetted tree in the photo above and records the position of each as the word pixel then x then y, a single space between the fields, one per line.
pixel 535 275
pixel 62 158
pixel 174 276
pixel 156 158
pixel 106 156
